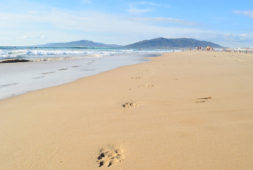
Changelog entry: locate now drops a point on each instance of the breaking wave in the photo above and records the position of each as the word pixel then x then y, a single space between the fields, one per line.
pixel 49 54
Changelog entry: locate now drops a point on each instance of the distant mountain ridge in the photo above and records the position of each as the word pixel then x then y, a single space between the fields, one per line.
pixel 163 43
pixel 157 43
pixel 81 43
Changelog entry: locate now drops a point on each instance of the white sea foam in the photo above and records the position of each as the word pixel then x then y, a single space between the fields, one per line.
pixel 51 54
pixel 32 53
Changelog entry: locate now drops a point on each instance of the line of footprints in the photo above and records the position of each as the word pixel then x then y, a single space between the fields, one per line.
pixel 111 155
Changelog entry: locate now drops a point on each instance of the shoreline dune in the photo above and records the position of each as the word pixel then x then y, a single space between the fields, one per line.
pixel 186 110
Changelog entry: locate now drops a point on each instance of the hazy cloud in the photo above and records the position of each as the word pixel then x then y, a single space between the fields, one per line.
pixel 143 7
pixel 72 25
pixel 167 20
pixel 36 37
pixel 138 10
pixel 248 13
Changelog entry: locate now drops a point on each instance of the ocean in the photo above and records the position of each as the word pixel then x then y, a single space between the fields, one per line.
pixel 55 66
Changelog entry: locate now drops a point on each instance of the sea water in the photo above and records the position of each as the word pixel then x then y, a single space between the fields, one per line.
pixel 56 66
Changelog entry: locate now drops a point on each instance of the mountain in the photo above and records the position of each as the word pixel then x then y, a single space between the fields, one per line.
pixel 163 43
pixel 158 43
pixel 81 43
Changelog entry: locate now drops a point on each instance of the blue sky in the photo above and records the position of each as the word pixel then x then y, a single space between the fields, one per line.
pixel 29 22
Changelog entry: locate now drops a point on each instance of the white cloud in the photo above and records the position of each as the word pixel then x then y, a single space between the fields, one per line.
pixel 142 7
pixel 138 10
pixel 36 37
pixel 90 22
pixel 33 12
pixel 248 13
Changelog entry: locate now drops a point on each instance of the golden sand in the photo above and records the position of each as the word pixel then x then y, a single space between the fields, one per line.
pixel 181 111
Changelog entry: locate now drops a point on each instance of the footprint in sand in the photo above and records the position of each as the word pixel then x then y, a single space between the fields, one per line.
pixel 203 99
pixel 63 69
pixel 109 156
pixel 136 78
pixel 147 85
pixel 88 69
pixel 45 73
pixel 129 104
pixel 90 62
pixel 7 85
pixel 39 77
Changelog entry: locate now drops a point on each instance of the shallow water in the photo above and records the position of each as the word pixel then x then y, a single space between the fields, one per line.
pixel 19 78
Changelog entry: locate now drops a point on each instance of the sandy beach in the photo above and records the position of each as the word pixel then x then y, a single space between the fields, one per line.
pixel 181 111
